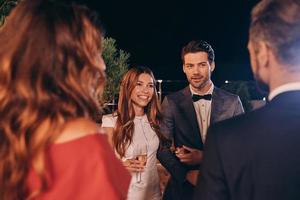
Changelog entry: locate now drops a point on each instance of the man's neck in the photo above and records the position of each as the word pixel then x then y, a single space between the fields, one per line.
pixel 283 78
pixel 202 90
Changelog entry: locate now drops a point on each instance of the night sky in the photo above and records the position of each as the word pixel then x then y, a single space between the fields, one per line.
pixel 153 32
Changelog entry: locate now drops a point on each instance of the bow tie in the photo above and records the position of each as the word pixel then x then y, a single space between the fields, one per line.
pixel 196 97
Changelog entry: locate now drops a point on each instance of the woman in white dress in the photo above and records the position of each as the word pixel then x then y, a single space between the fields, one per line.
pixel 134 130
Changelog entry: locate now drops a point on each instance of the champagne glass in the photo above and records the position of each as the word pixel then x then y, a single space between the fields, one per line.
pixel 141 156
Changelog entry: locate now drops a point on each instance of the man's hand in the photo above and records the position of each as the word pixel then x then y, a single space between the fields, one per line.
pixel 192 176
pixel 189 155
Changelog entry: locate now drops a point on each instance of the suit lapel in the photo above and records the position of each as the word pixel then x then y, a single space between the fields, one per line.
pixel 216 105
pixel 187 107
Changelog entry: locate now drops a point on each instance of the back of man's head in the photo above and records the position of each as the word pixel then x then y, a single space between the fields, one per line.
pixel 277 23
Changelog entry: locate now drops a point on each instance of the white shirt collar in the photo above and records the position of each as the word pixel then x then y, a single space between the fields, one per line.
pixel 210 91
pixel 284 88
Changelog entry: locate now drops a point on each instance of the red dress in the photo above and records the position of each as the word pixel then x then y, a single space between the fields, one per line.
pixel 82 169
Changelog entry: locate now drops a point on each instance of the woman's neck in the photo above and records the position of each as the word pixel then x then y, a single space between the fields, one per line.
pixel 139 111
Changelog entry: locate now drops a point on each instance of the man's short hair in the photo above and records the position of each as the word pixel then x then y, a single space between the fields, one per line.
pixel 198 46
pixel 277 22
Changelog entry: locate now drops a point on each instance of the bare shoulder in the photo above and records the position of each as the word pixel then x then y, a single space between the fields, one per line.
pixel 109 120
pixel 78 128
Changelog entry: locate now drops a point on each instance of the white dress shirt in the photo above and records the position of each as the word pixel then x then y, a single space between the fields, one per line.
pixel 284 88
pixel 203 112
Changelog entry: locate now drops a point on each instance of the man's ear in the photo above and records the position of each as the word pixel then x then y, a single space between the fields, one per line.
pixel 183 69
pixel 212 66
pixel 263 54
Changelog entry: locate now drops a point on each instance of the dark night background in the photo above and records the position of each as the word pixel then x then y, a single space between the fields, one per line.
pixel 153 32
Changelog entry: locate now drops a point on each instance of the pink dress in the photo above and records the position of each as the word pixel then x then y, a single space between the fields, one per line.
pixel 81 169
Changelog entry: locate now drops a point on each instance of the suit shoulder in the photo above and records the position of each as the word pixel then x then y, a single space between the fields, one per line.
pixel 175 95
pixel 226 93
pixel 242 122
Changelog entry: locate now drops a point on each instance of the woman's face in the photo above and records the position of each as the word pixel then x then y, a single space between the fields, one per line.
pixel 143 91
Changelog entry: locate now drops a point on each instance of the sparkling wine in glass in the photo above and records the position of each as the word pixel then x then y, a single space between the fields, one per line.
pixel 142 157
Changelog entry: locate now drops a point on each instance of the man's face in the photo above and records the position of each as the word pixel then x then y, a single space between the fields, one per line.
pixel 198 70
pixel 255 66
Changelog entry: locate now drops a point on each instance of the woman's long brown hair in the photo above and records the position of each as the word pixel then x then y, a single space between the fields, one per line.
pixel 49 74
pixel 123 131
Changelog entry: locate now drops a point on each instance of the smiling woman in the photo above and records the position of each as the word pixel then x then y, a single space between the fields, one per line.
pixel 142 93
pixel 134 131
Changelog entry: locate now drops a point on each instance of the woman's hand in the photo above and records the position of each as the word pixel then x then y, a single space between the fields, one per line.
pixel 134 165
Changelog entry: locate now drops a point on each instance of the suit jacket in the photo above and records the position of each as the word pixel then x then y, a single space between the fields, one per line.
pixel 254 156
pixel 180 124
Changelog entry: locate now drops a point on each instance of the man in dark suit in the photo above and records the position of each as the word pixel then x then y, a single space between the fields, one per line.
pixel 187 115
pixel 257 156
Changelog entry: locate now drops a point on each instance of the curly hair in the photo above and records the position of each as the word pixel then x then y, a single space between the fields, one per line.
pixel 49 73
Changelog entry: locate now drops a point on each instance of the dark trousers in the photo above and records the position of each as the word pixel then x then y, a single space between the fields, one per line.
pixel 178 191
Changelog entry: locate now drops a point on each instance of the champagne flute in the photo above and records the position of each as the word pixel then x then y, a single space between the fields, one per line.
pixel 141 157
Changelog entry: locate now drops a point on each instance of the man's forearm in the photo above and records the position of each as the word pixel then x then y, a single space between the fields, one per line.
pixel 172 164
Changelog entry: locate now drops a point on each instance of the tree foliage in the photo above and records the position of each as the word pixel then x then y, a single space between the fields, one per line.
pixel 116 65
